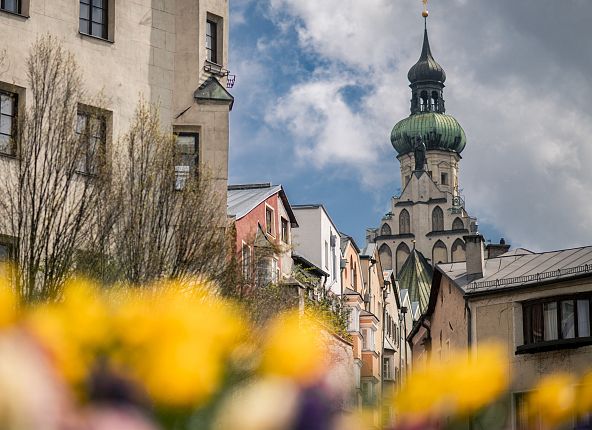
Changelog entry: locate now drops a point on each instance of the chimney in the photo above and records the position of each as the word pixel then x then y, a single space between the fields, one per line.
pixel 495 250
pixel 474 256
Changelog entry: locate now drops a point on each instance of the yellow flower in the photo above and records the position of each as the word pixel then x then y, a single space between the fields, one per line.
pixel 73 330
pixel 177 338
pixel 584 397
pixel 449 388
pixel 554 399
pixel 8 305
pixel 293 348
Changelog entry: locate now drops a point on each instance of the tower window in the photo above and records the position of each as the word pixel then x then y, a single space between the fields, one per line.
pixel 10 6
pixel 93 18
pixel 187 158
pixel 444 178
pixel 8 110
pixel 437 219
pixel 213 31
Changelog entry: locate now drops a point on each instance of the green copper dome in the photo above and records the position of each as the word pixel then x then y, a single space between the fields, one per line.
pixel 438 130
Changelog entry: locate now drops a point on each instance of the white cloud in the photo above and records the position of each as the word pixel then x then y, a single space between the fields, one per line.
pixel 526 167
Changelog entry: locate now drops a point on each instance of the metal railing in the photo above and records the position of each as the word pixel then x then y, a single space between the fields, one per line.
pixel 531 278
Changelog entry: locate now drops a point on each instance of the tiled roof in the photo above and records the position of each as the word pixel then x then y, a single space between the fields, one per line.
pixel 416 277
pixel 514 270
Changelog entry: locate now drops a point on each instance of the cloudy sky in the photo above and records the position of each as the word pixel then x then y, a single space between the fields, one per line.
pixel 320 84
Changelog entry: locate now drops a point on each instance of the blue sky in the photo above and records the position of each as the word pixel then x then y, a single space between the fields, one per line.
pixel 320 85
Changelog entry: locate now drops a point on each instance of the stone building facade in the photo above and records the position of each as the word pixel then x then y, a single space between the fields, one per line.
pixel 429 214
pixel 170 52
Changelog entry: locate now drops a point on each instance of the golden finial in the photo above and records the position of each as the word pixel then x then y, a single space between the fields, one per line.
pixel 425 9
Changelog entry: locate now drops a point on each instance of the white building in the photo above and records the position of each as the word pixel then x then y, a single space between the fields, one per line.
pixel 317 239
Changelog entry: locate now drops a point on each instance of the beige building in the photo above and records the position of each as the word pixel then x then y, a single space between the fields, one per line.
pixel 537 305
pixel 170 52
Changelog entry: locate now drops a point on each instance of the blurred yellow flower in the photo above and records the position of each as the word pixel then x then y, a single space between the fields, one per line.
pixel 73 330
pixel 294 348
pixel 176 339
pixel 8 305
pixel 449 388
pixel 584 395
pixel 554 399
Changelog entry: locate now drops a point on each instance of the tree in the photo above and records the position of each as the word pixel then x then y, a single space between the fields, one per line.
pixel 155 224
pixel 46 203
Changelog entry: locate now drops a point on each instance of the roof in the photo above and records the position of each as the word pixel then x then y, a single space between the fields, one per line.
pixel 212 90
pixel 346 238
pixel 242 199
pixel 521 270
pixel 517 251
pixel 306 264
pixel 416 277
pixel 369 250
pixel 426 68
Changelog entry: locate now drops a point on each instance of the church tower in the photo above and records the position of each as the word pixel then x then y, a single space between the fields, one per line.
pixel 429 216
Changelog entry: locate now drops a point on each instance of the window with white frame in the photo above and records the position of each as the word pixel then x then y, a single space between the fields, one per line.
pixel 368 339
pixel 367 392
pixel 285 231
pixel 387 368
pixel 326 255
pixel 246 261
pixel 269 221
pixel 353 323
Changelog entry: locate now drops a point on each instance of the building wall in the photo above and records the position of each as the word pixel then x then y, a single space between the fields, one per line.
pixel 157 52
pixel 247 226
pixel 314 231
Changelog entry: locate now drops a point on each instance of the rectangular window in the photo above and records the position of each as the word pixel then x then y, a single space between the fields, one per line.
pixel 367 392
pixel 187 158
pixel 557 319
pixel 212 41
pixel 5 252
pixel 550 327
pixel 444 178
pixel 246 261
pixel 91 130
pixel 11 5
pixel 93 18
pixel 275 271
pixel 326 255
pixel 368 342
pixel 386 368
pixel 524 419
pixel 353 321
pixel 583 318
pixel 269 227
pixel 8 113
pixel 568 319
pixel 285 231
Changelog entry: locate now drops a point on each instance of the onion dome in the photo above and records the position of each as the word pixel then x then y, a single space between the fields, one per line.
pixel 438 130
pixel 426 68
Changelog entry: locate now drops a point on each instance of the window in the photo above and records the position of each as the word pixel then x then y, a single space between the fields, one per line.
pixel 187 158
pixel 246 261
pixel 285 231
pixel 93 18
pixel 368 339
pixel 326 254
pixel 212 41
pixel 444 178
pixel 367 392
pixel 404 222
pixel 269 227
pixel 554 322
pixel 91 130
pixel 458 251
pixel 437 219
pixel 353 322
pixel 387 368
pixel 8 111
pixel 5 252
pixel 401 255
pixel 386 257
pixel 13 6
pixel 275 271
pixel 457 224
pixel 385 230
pixel 439 253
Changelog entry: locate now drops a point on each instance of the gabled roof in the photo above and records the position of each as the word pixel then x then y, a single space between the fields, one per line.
pixel 242 199
pixel 345 239
pixel 416 277
pixel 510 271
pixel 212 90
